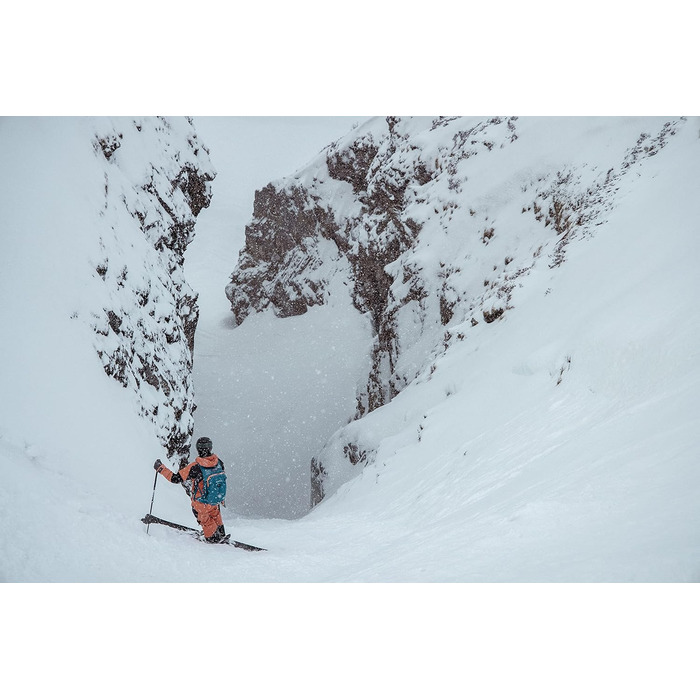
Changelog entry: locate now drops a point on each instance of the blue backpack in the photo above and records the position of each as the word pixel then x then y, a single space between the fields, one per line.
pixel 213 484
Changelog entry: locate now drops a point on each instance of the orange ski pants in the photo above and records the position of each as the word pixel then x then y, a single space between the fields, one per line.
pixel 208 516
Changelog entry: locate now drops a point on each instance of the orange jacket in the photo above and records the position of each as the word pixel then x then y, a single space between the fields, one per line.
pixel 192 472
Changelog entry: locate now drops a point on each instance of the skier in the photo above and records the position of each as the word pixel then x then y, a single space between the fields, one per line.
pixel 205 475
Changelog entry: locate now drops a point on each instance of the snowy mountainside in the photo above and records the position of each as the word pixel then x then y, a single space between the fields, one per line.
pixel 156 181
pixel 437 226
pixel 97 214
pixel 560 442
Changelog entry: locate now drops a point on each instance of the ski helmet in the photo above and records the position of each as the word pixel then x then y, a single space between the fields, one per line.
pixel 204 447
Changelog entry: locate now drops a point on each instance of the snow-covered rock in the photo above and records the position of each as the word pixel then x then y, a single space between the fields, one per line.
pixel 102 211
pixel 434 225
pixel 156 181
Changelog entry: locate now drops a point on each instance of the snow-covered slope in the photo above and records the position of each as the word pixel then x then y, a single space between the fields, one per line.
pixel 97 319
pixel 436 225
pixel 534 381
pixel 558 444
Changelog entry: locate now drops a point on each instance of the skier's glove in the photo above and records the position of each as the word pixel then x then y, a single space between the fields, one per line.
pixel 158 466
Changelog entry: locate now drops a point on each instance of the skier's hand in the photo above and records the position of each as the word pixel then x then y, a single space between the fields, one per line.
pixel 158 466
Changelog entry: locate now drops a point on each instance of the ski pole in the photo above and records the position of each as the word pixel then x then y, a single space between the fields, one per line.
pixel 150 512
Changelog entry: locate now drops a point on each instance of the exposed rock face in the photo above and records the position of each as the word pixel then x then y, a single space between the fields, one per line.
pixel 156 181
pixel 278 270
pixel 437 222
pixel 283 267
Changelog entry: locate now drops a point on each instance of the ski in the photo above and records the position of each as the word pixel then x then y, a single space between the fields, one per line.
pixel 154 520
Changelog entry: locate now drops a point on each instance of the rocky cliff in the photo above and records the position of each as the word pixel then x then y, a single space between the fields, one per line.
pixel 432 223
pixel 156 180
